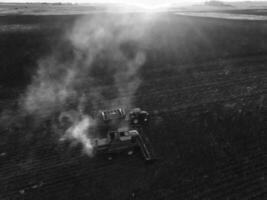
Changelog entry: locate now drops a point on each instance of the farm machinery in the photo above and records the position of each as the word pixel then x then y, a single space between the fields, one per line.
pixel 124 131
pixel 115 131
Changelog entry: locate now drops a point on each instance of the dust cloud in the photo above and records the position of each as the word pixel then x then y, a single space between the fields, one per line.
pixel 102 72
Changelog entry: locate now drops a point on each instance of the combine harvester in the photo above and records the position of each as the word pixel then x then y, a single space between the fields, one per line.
pixel 124 132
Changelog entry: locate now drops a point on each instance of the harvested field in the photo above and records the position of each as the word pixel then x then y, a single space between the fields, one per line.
pixel 204 84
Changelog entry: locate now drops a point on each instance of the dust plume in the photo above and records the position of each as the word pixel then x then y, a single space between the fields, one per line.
pixel 100 72
pixel 77 132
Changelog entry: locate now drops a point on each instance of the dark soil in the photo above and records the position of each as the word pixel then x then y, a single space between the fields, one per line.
pixel 204 84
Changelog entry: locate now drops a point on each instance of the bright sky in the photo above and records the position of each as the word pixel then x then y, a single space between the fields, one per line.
pixel 134 2
pixel 130 1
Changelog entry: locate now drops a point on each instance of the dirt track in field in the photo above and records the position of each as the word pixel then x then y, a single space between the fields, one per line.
pixel 208 127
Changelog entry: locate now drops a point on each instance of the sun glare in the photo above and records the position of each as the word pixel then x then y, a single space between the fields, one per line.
pixel 142 5
pixel 148 6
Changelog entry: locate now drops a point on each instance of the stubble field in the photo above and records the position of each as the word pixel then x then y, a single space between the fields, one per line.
pixel 204 84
